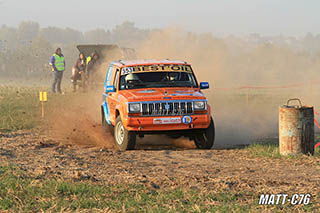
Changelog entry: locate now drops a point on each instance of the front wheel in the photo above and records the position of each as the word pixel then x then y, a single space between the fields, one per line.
pixel 205 139
pixel 124 139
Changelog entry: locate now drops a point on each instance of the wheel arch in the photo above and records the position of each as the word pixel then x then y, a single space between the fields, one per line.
pixel 117 114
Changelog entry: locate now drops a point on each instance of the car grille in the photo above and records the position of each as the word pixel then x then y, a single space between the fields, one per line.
pixel 167 108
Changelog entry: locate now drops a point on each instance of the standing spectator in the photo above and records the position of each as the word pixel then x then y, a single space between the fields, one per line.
pixel 78 71
pixel 58 65
pixel 92 67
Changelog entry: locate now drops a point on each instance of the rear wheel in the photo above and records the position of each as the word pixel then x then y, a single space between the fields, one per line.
pixel 205 139
pixel 124 139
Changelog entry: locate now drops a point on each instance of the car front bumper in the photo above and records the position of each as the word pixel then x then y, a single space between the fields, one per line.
pixel 167 123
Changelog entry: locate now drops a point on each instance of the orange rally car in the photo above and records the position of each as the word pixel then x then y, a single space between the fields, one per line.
pixel 155 97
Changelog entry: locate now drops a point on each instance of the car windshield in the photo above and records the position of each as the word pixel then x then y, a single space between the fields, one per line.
pixel 157 75
pixel 157 79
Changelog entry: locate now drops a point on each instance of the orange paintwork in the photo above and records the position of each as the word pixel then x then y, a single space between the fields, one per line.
pixel 118 104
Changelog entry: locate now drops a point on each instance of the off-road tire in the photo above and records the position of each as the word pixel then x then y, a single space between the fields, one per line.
pixel 205 139
pixel 124 139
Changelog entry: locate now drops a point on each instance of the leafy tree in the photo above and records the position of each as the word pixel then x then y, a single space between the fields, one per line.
pixel 126 34
pixel 98 36
pixel 28 30
pixel 9 38
pixel 57 35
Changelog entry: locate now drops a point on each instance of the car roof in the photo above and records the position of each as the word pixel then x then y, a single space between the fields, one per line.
pixel 124 63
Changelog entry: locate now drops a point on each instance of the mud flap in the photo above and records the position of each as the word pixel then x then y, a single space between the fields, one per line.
pixel 106 112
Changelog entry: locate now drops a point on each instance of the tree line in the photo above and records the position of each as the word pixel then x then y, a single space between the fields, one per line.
pixel 25 50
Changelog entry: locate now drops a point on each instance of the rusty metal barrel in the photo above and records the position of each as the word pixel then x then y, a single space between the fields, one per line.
pixel 296 129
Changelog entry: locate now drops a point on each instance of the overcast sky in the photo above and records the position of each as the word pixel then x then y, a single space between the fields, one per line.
pixel 269 17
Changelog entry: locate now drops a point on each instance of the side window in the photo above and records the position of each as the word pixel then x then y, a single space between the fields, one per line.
pixel 115 82
pixel 107 81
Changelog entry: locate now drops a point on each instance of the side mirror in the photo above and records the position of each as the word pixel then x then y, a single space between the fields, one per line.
pixel 110 89
pixel 204 85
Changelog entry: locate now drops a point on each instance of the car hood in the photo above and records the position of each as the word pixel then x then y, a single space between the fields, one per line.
pixel 162 94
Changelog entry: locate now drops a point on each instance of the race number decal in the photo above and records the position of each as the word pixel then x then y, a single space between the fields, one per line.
pixel 126 70
pixel 187 119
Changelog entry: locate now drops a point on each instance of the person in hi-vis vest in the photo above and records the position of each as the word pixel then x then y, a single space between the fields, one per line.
pixel 92 66
pixel 58 65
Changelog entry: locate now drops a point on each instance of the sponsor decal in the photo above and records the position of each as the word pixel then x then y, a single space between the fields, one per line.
pixel 146 91
pixel 183 94
pixel 186 119
pixel 157 68
pixel 184 91
pixel 166 120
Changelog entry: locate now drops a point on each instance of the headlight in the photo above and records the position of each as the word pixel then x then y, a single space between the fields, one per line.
pixel 199 105
pixel 134 108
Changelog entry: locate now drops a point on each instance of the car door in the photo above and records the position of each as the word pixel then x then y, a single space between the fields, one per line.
pixel 112 97
pixel 105 96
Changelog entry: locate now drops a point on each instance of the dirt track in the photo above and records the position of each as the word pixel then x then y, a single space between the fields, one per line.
pixel 75 148
pixel 220 169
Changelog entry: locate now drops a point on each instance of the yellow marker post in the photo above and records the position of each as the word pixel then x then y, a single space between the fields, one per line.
pixel 43 98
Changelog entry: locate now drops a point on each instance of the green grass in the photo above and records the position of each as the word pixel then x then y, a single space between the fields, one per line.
pixel 264 150
pixel 19 108
pixel 20 192
pixel 269 148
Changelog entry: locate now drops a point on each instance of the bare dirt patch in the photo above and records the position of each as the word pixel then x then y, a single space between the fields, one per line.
pixel 221 169
pixel 74 119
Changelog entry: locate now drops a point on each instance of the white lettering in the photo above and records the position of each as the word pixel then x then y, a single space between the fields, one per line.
pixel 271 199
pixel 264 199
pixel 284 198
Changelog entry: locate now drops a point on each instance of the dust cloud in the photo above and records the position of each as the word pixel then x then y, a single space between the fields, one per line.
pixel 242 115
pixel 75 119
